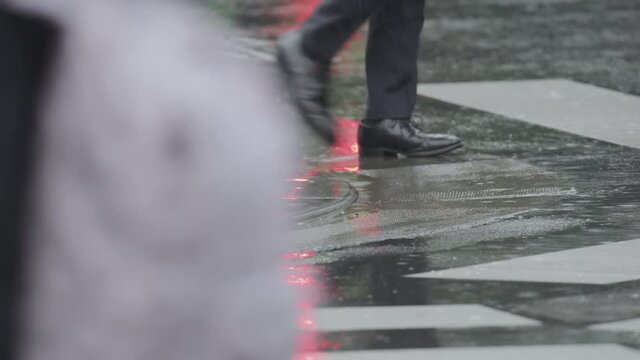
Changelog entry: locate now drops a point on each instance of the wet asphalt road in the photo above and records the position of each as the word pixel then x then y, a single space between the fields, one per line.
pixel 516 190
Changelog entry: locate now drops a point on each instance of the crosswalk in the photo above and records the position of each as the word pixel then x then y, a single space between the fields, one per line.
pixel 626 325
pixel 550 352
pixel 596 265
pixel 560 104
pixel 461 316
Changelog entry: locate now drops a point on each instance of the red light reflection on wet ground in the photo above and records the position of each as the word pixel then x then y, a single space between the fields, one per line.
pixel 310 282
pixel 300 255
pixel 343 157
pixel 298 180
pixel 367 225
pixel 310 356
pixel 346 143
pixel 305 276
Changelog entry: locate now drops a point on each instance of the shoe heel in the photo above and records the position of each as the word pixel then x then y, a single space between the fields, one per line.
pixel 376 152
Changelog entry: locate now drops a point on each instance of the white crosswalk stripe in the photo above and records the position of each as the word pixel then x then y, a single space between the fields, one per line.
pixel 551 352
pixel 415 317
pixel 625 325
pixel 597 265
pixel 560 104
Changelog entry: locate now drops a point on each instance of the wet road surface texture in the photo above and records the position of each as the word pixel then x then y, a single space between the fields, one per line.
pixel 522 245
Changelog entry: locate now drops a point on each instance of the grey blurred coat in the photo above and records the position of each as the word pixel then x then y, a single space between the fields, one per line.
pixel 157 227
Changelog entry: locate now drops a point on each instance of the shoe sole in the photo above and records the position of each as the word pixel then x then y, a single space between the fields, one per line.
pixel 384 152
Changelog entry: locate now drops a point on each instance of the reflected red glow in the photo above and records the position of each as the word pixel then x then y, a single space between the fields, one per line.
pixel 302 180
pixel 290 16
pixel 306 276
pixel 344 157
pixel 345 150
pixel 310 281
pixel 367 224
pixel 294 194
pixel 304 9
pixel 346 143
pixel 300 255
pixel 312 356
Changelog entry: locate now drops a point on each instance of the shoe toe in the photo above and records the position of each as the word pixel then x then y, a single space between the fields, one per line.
pixel 438 141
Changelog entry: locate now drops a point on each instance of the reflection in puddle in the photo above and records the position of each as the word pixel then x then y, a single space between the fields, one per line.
pixel 310 282
pixel 342 157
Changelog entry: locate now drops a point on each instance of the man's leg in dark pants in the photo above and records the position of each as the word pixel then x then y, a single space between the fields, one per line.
pixel 333 22
pixel 392 77
pixel 392 52
pixel 304 56
pixel 392 56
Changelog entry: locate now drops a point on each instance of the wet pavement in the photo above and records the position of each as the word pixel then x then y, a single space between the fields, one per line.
pixel 521 245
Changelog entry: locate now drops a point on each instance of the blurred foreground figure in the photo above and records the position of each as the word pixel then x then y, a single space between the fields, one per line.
pixel 157 229
pixel 392 52
pixel 26 44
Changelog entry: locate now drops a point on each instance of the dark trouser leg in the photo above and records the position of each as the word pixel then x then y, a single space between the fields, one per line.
pixel 333 23
pixel 392 55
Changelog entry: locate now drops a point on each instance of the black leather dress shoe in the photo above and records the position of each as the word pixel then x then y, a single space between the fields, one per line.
pixel 308 83
pixel 392 137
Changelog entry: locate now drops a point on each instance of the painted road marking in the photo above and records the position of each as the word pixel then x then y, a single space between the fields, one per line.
pixel 597 265
pixel 547 352
pixel 626 325
pixel 415 317
pixel 560 104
